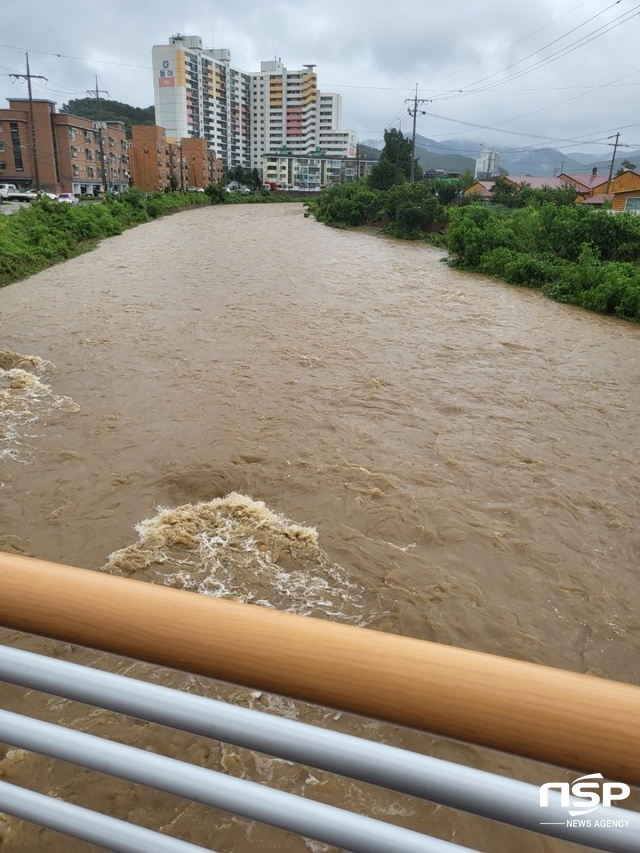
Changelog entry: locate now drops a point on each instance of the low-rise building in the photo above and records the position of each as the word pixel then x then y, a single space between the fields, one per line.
pixel 61 152
pixel 287 169
pixel 479 190
pixel 160 165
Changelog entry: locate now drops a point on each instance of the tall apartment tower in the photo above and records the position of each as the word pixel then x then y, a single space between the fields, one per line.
pixel 487 164
pixel 198 94
pixel 244 115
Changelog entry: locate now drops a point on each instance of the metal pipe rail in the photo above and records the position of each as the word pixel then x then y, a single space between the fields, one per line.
pixel 474 791
pixel 509 705
pixel 88 825
pixel 325 823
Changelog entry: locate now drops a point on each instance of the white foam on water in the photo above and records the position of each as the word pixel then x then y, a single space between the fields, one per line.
pixel 236 547
pixel 25 401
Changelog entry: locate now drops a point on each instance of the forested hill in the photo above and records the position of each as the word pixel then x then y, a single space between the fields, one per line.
pixel 110 111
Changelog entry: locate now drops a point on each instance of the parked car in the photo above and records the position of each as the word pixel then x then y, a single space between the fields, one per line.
pixel 67 198
pixel 9 192
pixel 33 194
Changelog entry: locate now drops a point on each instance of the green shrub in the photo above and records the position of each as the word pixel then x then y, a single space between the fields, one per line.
pixel 576 255
pixel 348 204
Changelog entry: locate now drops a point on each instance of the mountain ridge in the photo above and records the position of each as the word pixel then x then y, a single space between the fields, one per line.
pixel 456 155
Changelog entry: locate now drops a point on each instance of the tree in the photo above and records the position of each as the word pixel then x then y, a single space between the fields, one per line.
pixel 397 150
pixel 466 179
pixel 385 175
pixel 503 192
pixel 110 111
pixel 627 166
pixel 446 190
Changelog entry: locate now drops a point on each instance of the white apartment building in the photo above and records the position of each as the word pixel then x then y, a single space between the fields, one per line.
pixel 244 115
pixel 285 169
pixel 487 164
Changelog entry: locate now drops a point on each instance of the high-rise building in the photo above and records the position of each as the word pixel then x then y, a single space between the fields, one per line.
pixel 487 164
pixel 244 115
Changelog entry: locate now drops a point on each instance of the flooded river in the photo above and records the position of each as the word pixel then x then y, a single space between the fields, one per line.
pixel 460 458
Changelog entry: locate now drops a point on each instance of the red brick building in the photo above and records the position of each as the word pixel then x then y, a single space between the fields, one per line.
pixel 158 164
pixel 70 150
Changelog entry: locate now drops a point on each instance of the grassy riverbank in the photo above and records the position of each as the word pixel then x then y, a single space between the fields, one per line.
pixel 48 232
pixel 575 255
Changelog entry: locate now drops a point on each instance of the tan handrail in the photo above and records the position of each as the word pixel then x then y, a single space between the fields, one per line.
pixel 565 718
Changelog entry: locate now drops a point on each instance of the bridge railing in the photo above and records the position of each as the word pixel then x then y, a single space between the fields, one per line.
pixel 575 721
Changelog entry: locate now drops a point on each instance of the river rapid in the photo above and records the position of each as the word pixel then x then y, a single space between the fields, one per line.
pixel 456 458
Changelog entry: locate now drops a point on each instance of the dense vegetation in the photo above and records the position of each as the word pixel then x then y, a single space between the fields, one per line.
pixel 404 210
pixel 110 111
pixel 535 238
pixel 584 257
pixel 49 232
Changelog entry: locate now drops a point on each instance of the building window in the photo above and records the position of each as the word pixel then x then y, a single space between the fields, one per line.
pixel 72 133
pixel 3 167
pixel 15 144
pixel 1 146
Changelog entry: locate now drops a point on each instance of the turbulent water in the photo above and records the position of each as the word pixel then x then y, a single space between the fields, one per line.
pixel 241 402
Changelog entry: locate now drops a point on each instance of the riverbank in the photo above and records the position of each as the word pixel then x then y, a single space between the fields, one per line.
pixel 572 253
pixel 48 232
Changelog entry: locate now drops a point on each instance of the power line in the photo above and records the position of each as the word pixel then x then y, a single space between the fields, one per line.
pixel 595 34
pixel 78 58
pixel 557 104
pixel 511 46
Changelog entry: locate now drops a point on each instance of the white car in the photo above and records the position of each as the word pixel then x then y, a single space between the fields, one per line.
pixel 67 198
pixel 32 194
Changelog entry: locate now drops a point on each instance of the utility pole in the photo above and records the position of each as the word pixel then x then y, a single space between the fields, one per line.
pixel 97 92
pixel 414 113
pixel 34 148
pixel 613 159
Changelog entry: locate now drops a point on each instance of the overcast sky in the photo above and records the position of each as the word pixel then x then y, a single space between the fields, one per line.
pixel 550 73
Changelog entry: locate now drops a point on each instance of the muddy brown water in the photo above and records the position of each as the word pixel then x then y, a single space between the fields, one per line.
pixel 460 458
